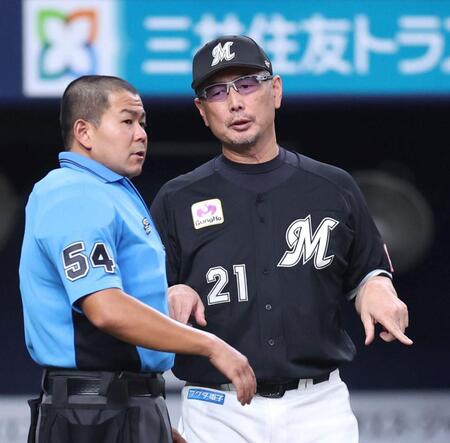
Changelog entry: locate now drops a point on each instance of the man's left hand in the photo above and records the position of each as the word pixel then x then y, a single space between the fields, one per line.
pixel 377 302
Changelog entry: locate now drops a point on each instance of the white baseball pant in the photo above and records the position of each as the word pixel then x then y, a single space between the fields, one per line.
pixel 313 413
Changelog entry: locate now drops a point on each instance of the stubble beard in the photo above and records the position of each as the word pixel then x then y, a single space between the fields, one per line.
pixel 240 143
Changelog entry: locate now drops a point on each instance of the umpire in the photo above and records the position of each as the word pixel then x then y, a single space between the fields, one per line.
pixel 93 283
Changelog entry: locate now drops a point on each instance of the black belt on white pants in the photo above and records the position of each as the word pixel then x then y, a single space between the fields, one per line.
pixel 268 388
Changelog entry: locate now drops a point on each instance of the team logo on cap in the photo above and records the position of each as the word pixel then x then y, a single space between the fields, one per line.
pixel 207 213
pixel 221 53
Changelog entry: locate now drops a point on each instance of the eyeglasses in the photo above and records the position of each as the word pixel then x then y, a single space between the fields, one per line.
pixel 247 84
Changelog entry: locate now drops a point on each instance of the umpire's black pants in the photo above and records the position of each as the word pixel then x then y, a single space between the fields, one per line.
pixel 100 407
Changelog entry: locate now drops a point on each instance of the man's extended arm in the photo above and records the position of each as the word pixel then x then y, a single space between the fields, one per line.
pixel 129 320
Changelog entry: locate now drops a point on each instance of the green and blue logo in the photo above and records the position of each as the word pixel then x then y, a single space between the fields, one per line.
pixel 67 43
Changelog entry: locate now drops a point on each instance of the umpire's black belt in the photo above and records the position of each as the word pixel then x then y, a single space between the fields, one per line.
pixel 122 383
pixel 267 388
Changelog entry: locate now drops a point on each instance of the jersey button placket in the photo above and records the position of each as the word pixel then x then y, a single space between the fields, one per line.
pixel 262 225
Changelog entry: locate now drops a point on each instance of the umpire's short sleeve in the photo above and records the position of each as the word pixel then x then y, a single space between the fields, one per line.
pixel 78 231
pixel 163 217
pixel 368 251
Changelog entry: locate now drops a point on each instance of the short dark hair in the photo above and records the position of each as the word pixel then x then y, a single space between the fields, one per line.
pixel 87 97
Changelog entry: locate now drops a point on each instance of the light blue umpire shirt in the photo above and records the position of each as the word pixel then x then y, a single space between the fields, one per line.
pixel 87 229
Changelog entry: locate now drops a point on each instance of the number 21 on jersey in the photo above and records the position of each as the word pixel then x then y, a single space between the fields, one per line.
pixel 219 276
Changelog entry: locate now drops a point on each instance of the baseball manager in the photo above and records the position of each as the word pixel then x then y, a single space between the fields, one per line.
pixel 270 243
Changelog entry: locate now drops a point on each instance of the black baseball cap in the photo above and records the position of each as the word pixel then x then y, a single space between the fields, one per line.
pixel 225 52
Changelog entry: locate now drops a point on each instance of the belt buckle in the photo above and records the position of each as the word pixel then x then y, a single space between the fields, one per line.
pixel 271 391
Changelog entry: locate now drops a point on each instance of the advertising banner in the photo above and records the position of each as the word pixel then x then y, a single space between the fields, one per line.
pixel 352 47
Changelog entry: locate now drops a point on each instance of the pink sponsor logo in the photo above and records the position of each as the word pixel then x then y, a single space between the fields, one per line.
pixel 205 210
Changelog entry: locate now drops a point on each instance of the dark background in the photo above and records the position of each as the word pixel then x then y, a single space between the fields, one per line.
pixel 409 136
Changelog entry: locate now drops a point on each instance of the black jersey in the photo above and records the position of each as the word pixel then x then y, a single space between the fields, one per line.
pixel 272 249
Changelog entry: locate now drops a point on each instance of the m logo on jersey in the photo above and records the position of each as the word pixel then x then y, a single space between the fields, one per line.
pixel 221 53
pixel 207 213
pixel 304 245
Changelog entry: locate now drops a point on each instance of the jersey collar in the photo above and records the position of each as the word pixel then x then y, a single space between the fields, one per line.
pixel 254 168
pixel 73 160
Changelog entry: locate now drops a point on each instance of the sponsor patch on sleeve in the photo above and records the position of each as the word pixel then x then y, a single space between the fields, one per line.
pixel 206 395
